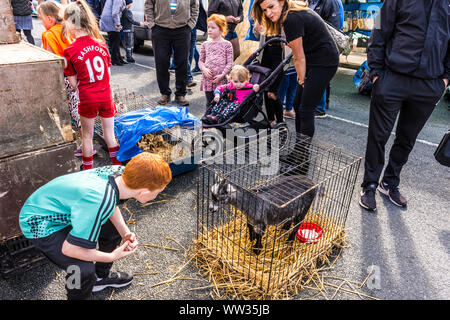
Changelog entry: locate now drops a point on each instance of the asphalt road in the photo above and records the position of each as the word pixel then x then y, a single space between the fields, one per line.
pixel 406 251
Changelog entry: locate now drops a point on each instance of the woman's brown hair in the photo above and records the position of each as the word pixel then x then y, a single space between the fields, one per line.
pixel 147 170
pixel 274 28
pixel 80 15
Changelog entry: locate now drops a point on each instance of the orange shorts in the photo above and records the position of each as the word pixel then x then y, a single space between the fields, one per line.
pixel 103 109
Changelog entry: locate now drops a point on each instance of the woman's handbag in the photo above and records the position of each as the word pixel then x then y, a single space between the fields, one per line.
pixel 341 39
pixel 442 153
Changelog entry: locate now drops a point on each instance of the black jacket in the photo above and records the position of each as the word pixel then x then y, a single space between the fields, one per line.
pixel 329 11
pixel 411 37
pixel 21 7
pixel 227 8
pixel 127 20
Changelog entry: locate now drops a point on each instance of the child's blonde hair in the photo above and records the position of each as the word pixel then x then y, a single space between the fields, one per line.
pixel 220 21
pixel 51 9
pixel 80 15
pixel 240 72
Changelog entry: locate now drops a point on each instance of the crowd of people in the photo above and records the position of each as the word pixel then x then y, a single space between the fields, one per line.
pixel 409 77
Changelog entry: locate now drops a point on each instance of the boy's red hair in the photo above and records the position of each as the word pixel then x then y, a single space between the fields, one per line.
pixel 147 170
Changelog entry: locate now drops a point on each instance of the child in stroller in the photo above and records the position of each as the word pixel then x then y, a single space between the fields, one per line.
pixel 228 97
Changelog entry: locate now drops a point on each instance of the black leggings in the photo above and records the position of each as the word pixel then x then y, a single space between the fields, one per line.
pixel 114 46
pixel 27 34
pixel 308 97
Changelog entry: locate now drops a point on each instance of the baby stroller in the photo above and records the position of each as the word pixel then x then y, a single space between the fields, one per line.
pixel 249 110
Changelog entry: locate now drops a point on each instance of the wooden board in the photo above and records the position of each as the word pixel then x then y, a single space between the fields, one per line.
pixel 33 105
pixel 21 175
pixel 7 26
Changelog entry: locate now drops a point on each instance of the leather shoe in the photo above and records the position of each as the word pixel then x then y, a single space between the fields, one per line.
pixel 181 100
pixel 165 99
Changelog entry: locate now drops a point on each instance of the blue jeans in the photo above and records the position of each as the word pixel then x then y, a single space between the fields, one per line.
pixel 323 102
pixel 287 90
pixel 191 53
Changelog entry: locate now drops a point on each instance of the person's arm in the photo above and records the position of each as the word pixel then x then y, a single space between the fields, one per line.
pixel 298 55
pixel 116 11
pixel 447 65
pixel 240 16
pixel 194 14
pixel 73 81
pixel 201 63
pixel 379 38
pixel 150 12
pixel 95 255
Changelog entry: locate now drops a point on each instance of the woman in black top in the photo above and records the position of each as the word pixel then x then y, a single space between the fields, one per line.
pixel 316 59
pixel 233 12
pixel 315 53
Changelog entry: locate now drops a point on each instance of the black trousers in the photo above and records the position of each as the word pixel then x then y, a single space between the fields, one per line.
pixel 307 97
pixel 114 46
pixel 412 100
pixel 272 57
pixel 165 41
pixel 51 246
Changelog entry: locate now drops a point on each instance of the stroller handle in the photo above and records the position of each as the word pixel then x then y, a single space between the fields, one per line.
pixel 257 52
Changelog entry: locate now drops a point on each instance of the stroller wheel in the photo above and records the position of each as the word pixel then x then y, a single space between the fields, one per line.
pixel 283 134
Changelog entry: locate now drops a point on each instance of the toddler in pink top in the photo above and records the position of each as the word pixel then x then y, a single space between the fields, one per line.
pixel 236 91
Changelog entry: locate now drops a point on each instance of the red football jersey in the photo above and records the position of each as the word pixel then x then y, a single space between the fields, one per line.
pixel 90 61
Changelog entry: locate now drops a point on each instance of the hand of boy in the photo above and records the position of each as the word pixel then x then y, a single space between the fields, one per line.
pixel 256 87
pixel 143 24
pixel 217 98
pixel 131 238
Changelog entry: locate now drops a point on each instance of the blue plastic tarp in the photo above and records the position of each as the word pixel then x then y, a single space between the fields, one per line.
pixel 131 126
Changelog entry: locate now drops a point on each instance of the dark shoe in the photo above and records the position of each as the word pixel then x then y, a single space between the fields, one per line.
pixel 319 114
pixel 131 60
pixel 367 200
pixel 123 61
pixel 114 280
pixel 117 63
pixel 165 99
pixel 181 100
pixel 393 193
pixel 191 84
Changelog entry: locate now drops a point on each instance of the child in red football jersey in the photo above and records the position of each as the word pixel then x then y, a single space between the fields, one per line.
pixel 87 68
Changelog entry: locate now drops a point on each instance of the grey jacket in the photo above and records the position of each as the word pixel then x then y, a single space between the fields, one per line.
pixel 158 13
pixel 111 14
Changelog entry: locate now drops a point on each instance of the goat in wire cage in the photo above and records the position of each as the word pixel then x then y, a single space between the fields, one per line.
pixel 268 226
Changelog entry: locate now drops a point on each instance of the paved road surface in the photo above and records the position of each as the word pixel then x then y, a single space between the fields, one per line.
pixel 407 251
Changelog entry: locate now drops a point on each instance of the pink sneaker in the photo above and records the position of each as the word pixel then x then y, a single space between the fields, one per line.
pixel 79 152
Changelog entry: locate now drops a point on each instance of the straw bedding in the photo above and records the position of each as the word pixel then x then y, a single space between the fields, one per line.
pixel 155 143
pixel 282 268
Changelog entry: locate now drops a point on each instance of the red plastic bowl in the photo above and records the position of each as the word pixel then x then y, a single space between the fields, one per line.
pixel 309 232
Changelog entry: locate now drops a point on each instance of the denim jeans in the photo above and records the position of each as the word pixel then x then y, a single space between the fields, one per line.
pixel 191 53
pixel 287 90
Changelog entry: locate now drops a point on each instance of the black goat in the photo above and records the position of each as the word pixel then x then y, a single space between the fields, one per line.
pixel 258 203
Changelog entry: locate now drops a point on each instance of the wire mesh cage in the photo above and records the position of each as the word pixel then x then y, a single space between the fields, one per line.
pixel 266 217
pixel 179 145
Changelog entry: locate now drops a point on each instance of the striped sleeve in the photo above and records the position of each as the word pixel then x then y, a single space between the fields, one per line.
pixel 88 216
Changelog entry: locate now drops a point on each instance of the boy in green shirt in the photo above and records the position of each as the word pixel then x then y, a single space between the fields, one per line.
pixel 69 216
